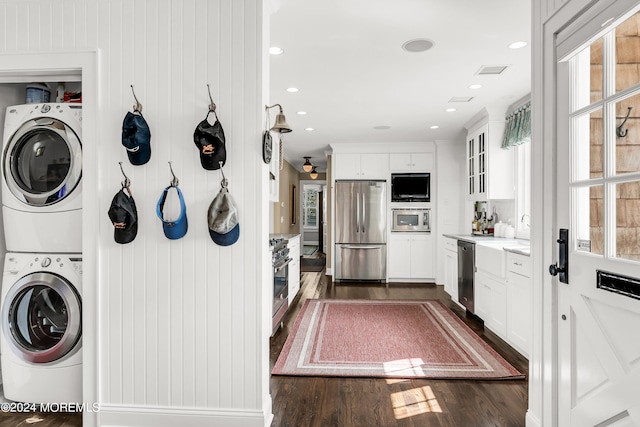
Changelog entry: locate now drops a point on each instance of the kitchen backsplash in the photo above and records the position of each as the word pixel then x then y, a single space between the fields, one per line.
pixel 505 210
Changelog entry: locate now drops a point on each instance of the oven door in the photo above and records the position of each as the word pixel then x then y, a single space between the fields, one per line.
pixel 280 292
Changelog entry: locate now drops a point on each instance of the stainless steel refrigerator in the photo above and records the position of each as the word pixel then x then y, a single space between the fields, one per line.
pixel 361 230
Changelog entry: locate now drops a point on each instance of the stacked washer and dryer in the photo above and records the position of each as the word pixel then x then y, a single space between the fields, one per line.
pixel 41 298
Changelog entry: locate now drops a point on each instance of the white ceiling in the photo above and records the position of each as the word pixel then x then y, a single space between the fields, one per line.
pixel 346 59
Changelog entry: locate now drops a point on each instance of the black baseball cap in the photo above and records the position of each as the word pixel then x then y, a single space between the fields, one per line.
pixel 124 216
pixel 210 141
pixel 136 138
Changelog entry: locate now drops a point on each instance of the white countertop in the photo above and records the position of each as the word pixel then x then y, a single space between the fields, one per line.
pixel 518 246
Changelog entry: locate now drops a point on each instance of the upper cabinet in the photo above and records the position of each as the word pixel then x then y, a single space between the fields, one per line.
pixel 361 166
pixel 417 162
pixel 489 167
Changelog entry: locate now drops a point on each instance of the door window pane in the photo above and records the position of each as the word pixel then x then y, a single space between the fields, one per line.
pixel 588 129
pixel 590 219
pixel 628 135
pixel 628 53
pixel 588 75
pixel 628 220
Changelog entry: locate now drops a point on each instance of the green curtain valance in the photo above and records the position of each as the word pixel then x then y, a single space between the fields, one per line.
pixel 518 127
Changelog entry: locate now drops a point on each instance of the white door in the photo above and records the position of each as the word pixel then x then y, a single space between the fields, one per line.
pixel 598 202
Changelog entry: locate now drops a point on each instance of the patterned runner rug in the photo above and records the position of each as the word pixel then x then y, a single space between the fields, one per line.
pixel 387 339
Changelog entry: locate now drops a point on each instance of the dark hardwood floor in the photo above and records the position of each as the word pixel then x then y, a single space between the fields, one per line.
pixel 369 402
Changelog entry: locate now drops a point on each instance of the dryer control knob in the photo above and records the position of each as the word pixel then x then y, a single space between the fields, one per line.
pixel 46 262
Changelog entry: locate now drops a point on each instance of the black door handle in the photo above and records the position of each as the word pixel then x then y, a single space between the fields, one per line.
pixel 563 250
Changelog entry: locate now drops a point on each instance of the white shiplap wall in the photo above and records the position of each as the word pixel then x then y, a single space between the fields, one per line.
pixel 181 329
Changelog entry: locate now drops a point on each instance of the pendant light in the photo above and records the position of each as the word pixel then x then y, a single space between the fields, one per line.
pixel 313 174
pixel 307 166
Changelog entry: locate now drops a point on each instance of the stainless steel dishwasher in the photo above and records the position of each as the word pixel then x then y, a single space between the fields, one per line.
pixel 466 270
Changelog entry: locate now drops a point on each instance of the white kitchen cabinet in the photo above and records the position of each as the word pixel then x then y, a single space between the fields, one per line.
pixel 294 267
pixel 451 268
pixel 519 294
pixel 410 256
pixel 415 162
pixel 489 167
pixel 361 166
pixel 491 303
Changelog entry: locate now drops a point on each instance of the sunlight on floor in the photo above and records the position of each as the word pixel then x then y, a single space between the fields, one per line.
pixel 413 402
pixel 404 367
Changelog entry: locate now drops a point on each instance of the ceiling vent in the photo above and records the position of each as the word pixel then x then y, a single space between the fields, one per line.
pixel 461 99
pixel 491 69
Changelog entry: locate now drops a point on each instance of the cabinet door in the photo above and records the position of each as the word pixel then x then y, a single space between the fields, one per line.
pixel 399 259
pixel 294 278
pixel 422 162
pixel 421 256
pixel 451 274
pixel 482 295
pixel 519 324
pixel 374 166
pixel 471 159
pixel 347 166
pixel 498 314
pixel 400 161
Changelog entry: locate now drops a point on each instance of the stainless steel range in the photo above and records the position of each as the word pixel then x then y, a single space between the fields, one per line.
pixel 280 261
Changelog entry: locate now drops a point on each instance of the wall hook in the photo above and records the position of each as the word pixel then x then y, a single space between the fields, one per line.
pixel 137 108
pixel 174 180
pixel 619 131
pixel 224 181
pixel 127 182
pixel 212 106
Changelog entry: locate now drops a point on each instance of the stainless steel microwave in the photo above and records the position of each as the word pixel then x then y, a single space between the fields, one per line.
pixel 411 220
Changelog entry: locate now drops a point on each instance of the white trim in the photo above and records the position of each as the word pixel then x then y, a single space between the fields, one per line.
pixel 144 416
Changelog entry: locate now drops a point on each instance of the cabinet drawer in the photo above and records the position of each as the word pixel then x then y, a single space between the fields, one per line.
pixel 519 264
pixel 451 244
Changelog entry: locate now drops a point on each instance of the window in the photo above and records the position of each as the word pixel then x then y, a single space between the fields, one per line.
pixel 310 206
pixel 523 190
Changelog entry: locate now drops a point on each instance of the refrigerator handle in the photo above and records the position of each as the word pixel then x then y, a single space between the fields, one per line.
pixel 357 214
pixel 364 212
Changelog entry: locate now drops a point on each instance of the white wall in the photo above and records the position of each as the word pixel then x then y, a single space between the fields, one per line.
pixel 450 175
pixel 182 326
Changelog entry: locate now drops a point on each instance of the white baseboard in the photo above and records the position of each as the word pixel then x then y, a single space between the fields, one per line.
pixel 149 416
pixel 531 420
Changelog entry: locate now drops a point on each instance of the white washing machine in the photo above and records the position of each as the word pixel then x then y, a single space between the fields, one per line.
pixel 41 333
pixel 41 171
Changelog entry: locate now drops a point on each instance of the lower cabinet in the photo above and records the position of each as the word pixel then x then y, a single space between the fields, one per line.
pixel 410 256
pixel 520 326
pixel 491 303
pixel 451 268
pixel 294 267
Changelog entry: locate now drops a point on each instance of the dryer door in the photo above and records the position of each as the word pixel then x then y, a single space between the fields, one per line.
pixel 41 318
pixel 43 161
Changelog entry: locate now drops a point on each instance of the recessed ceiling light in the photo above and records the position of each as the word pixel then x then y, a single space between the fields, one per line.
pixel 517 45
pixel 450 110
pixel 308 129
pixel 292 89
pixel 475 86
pixel 382 127
pixel 302 113
pixel 434 127
pixel 417 45
pixel 275 50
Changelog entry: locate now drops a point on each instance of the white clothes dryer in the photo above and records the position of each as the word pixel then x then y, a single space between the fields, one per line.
pixel 41 333
pixel 41 171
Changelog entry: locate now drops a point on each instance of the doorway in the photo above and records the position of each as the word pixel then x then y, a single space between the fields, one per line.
pixel 312 217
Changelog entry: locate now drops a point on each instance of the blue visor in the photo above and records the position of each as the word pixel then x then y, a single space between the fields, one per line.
pixel 173 229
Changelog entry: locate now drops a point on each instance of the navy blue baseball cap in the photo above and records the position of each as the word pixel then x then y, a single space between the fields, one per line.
pixel 136 138
pixel 173 229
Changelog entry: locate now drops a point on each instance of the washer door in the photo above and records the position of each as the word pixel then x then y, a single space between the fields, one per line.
pixel 42 318
pixel 43 161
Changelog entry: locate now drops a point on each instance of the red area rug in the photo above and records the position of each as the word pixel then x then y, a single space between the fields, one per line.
pixel 386 339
